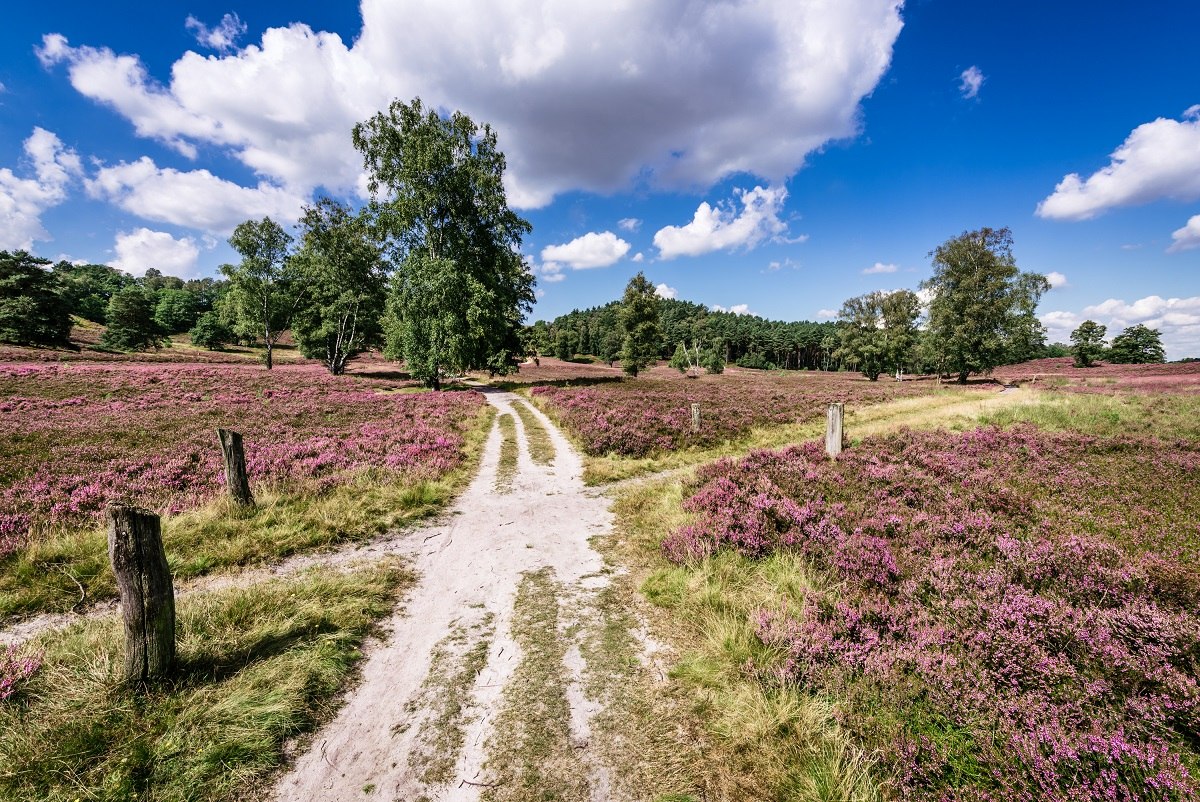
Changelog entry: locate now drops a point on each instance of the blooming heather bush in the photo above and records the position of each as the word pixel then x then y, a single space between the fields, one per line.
pixel 15 668
pixel 1010 614
pixel 636 418
pixel 75 437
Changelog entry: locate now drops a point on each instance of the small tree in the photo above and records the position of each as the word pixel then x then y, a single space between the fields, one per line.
pixel 879 331
pixel 639 323
pixel 131 325
pixel 610 346
pixel 263 289
pixel 211 332
pixel 343 274
pixel 1087 343
pixel 1137 345
pixel 712 361
pixel 33 310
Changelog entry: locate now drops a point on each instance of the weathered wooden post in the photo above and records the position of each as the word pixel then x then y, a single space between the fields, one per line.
pixel 833 430
pixel 695 418
pixel 235 467
pixel 139 563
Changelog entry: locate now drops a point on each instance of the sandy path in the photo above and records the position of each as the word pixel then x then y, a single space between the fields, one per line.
pixel 469 570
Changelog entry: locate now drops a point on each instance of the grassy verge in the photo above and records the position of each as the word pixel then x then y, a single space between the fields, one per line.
pixel 531 756
pixel 750 741
pixel 507 468
pixel 71 570
pixel 949 408
pixel 258 665
pixel 541 449
pixel 1163 416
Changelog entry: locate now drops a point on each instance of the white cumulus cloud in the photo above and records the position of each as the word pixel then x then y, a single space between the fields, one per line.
pixel 717 228
pixel 1186 238
pixel 142 248
pixel 221 38
pixel 970 82
pixel 1159 159
pixel 737 309
pixel 880 267
pixel 629 224
pixel 193 199
pixel 827 314
pixel 662 93
pixel 663 291
pixel 1056 279
pixel 590 250
pixel 1178 320
pixel 23 200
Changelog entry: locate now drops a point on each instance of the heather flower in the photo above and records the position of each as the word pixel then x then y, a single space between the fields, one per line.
pixel 15 669
pixel 986 635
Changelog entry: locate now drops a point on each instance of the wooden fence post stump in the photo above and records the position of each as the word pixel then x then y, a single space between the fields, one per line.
pixel 139 563
pixel 235 467
pixel 833 430
pixel 695 418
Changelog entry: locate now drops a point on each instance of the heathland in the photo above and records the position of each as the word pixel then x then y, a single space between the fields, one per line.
pixel 990 594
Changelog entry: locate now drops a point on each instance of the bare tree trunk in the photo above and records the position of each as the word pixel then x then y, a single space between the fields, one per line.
pixel 147 597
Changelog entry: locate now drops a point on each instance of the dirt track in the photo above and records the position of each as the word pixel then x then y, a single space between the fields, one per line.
pixel 392 734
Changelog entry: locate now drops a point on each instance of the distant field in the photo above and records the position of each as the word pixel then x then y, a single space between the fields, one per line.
pixel 652 413
pixel 1061 373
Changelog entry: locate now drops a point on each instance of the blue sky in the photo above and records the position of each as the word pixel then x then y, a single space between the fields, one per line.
pixel 776 157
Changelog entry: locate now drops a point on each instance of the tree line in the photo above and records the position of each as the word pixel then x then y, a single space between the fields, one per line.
pixel 746 340
pixel 976 312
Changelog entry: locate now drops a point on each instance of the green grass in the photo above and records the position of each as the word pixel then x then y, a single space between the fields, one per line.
pixel 258 665
pixel 762 740
pixel 447 691
pixel 530 756
pixel 507 468
pixel 541 448
pixel 1163 416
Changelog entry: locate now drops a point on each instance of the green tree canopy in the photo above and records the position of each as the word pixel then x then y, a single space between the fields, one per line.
pixel 1087 343
pixel 878 331
pixel 88 288
pixel 176 310
pixel 639 322
pixel 343 275
pixel 460 288
pixel 264 289
pixel 1137 345
pixel 130 321
pixel 980 301
pixel 33 310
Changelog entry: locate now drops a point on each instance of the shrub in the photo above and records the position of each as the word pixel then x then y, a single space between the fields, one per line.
pixel 211 332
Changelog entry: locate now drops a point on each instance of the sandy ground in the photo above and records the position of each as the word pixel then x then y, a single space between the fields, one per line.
pixel 469 570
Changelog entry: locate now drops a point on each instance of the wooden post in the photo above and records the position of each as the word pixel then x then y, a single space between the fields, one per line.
pixel 139 563
pixel 833 430
pixel 695 418
pixel 235 467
